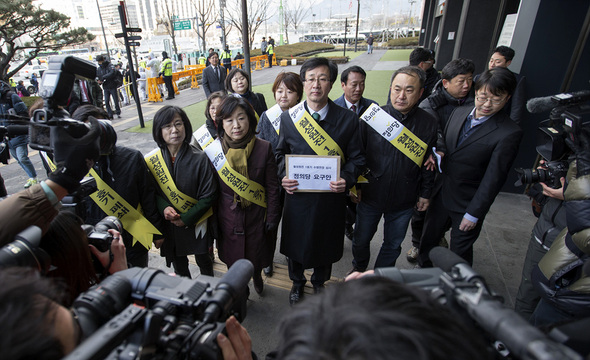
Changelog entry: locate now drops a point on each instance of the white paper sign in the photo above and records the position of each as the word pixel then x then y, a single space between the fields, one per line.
pixel 313 172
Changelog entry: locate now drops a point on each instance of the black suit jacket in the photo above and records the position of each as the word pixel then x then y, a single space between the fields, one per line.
pixel 474 172
pixel 211 83
pixel 364 103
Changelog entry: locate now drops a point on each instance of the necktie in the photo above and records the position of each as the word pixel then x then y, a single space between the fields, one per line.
pixel 217 72
pixel 353 108
pixel 315 116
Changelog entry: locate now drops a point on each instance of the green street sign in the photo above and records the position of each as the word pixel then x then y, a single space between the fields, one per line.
pixel 182 25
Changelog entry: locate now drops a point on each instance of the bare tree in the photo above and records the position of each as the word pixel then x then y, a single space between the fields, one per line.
pixel 205 10
pixel 295 13
pixel 168 22
pixel 258 13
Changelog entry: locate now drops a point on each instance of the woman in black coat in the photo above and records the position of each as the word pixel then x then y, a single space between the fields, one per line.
pixel 238 82
pixel 191 176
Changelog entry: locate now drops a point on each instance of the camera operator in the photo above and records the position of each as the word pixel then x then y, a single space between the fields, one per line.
pixel 124 171
pixel 66 240
pixel 550 223
pixel 33 323
pixel 38 205
pixel 389 321
pixel 564 288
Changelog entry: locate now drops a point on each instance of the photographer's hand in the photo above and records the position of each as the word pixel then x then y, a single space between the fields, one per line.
pixel 119 261
pixel 554 193
pixel 237 345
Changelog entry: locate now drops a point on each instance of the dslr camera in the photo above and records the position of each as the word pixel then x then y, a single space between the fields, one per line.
pixel 555 137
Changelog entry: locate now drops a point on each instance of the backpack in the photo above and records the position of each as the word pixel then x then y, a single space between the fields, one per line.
pixel 118 78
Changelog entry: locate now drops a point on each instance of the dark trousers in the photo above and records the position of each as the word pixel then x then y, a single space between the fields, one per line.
pixel 527 297
pixel 169 86
pixel 270 60
pixel 204 262
pixel 321 274
pixel 435 225
pixel 108 94
pixel 417 225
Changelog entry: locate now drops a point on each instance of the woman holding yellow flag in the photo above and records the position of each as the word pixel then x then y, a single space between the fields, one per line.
pixel 187 190
pixel 248 207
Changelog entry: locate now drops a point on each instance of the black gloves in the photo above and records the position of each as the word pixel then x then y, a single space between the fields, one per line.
pixel 437 100
pixel 75 148
pixel 271 227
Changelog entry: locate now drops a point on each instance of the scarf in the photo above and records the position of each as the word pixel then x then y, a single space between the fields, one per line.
pixel 237 154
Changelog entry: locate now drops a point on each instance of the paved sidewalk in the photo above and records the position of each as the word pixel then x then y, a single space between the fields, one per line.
pixel 499 252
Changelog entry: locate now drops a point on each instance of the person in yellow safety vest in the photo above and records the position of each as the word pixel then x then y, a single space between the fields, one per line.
pixel 270 50
pixel 226 58
pixel 166 72
pixel 202 59
pixel 142 62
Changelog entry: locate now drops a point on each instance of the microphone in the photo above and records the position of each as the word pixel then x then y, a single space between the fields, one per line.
pixel 450 262
pixel 541 104
pixel 229 289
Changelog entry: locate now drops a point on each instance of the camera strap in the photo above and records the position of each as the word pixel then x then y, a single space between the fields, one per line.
pixel 132 219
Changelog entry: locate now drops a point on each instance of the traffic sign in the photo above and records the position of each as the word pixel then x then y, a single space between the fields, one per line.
pixel 134 37
pixel 182 25
pixel 134 43
pixel 119 35
pixel 133 29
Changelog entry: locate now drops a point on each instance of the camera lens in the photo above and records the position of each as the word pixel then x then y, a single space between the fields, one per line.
pixel 109 222
pixel 96 306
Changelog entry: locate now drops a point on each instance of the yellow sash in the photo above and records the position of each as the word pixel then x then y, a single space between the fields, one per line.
pixel 313 134
pixel 246 188
pixel 113 204
pixel 394 132
pixel 179 200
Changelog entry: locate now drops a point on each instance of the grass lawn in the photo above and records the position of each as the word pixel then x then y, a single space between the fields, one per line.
pixel 349 53
pixel 397 55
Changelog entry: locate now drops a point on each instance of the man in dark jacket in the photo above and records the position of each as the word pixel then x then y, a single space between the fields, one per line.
pixel 424 59
pixel 107 78
pixel 454 90
pixel 397 183
pixel 125 171
pixel 352 81
pixel 313 222
pixel 502 57
pixel 480 144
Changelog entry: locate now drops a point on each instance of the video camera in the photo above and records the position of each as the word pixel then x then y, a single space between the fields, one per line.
pixel 556 135
pixel 55 88
pixel 25 251
pixel 456 285
pixel 142 313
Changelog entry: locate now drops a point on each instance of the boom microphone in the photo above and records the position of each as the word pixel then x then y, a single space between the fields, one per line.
pixel 228 289
pixel 540 104
pixel 450 262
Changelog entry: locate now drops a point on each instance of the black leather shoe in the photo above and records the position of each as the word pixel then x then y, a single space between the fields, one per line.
pixel 318 288
pixel 349 232
pixel 258 284
pixel 269 270
pixel 296 294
